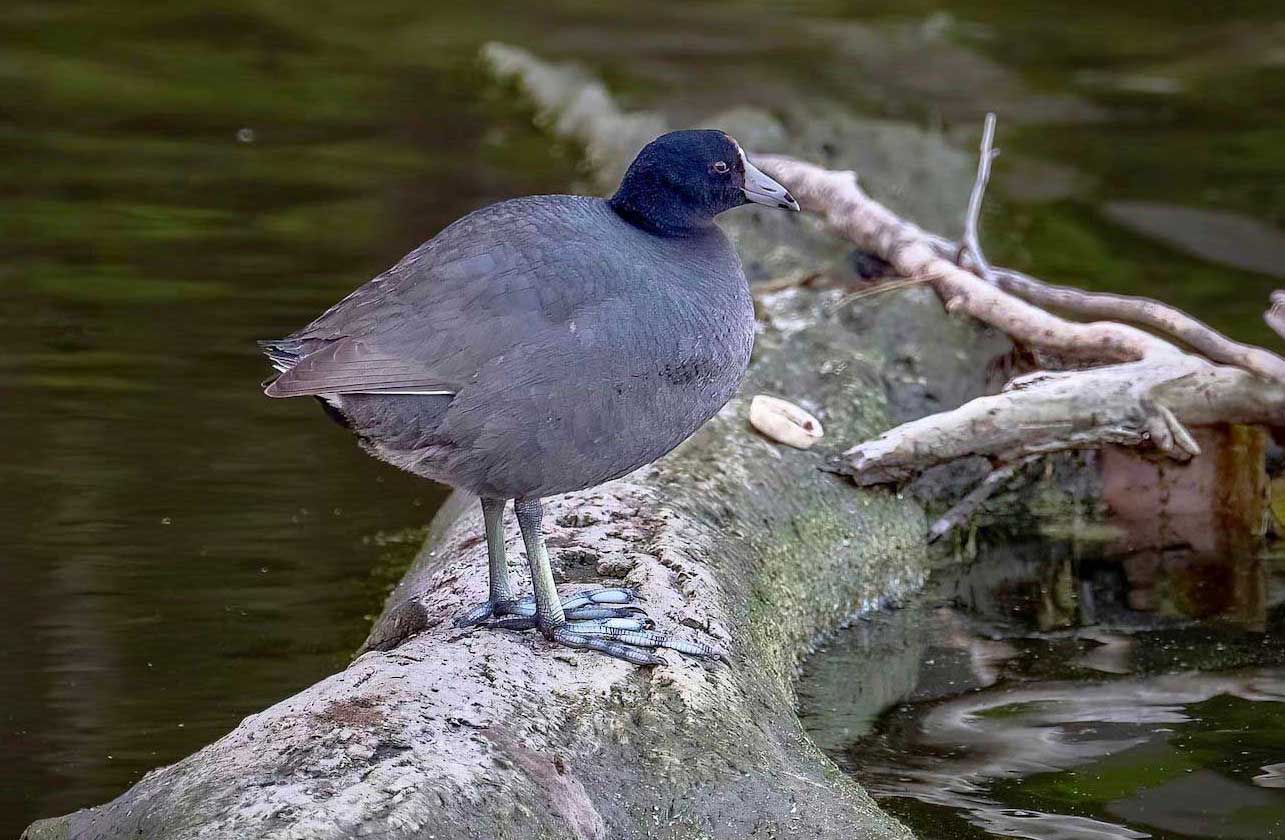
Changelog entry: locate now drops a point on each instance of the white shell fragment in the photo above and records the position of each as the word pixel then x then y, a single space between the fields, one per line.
pixel 784 422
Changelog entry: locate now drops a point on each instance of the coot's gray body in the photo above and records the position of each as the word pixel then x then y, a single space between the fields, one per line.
pixel 572 347
pixel 544 345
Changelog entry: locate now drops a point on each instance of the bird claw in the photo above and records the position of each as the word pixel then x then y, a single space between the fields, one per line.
pixel 483 612
pixel 602 604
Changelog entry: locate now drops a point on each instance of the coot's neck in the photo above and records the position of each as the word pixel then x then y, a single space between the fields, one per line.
pixel 656 209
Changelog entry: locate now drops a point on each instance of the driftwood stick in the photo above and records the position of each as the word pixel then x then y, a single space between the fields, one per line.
pixel 1135 404
pixel 1275 315
pixel 841 203
pixel 971 243
pixel 1153 315
pixel 1145 395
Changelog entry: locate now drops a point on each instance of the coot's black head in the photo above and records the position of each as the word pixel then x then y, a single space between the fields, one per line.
pixel 680 181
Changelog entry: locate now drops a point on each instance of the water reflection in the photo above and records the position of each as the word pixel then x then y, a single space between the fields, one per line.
pixel 1122 723
pixel 961 748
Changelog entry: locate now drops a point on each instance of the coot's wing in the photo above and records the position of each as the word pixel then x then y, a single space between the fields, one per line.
pixel 489 284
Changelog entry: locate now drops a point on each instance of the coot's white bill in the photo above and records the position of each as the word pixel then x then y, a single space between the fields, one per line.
pixel 761 189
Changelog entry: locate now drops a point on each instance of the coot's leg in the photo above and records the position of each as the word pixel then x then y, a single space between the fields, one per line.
pixel 497 565
pixel 500 599
pixel 611 602
pixel 630 639
pixel 548 607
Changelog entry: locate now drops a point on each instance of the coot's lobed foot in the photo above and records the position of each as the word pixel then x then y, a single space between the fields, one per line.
pixel 606 620
pixel 588 605
pixel 626 638
pixel 486 611
pixel 611 602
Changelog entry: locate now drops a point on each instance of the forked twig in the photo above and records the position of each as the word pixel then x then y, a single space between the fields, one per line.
pixel 1154 315
pixel 1142 311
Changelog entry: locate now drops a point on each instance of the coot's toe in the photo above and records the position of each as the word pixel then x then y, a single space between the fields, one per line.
pixel 589 605
pixel 607 620
pixel 622 639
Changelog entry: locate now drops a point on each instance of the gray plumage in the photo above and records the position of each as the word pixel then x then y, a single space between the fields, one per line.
pixel 575 347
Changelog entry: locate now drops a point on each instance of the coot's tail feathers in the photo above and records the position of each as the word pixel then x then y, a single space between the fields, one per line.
pixel 283 353
pixel 346 366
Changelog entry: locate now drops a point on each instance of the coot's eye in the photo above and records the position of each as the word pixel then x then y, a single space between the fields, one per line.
pixel 720 167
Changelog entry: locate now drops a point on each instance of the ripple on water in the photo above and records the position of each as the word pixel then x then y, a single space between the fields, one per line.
pixel 967 727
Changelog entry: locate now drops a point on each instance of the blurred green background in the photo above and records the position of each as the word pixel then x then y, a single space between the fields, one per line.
pixel 180 179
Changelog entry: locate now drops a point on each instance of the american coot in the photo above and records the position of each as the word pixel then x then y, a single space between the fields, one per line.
pixel 544 345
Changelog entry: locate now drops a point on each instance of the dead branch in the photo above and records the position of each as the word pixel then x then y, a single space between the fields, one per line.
pixel 1146 312
pixel 1141 311
pixel 1275 316
pixel 964 509
pixel 971 243
pixel 836 197
pixel 1153 315
pixel 1144 393
pixel 1134 404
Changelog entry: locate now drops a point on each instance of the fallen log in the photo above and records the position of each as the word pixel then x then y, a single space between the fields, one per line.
pixel 449 734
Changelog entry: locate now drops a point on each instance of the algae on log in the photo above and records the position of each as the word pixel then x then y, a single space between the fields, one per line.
pixel 494 734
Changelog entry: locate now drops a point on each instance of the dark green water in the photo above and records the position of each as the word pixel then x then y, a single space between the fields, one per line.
pixel 177 180
pixel 1124 726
